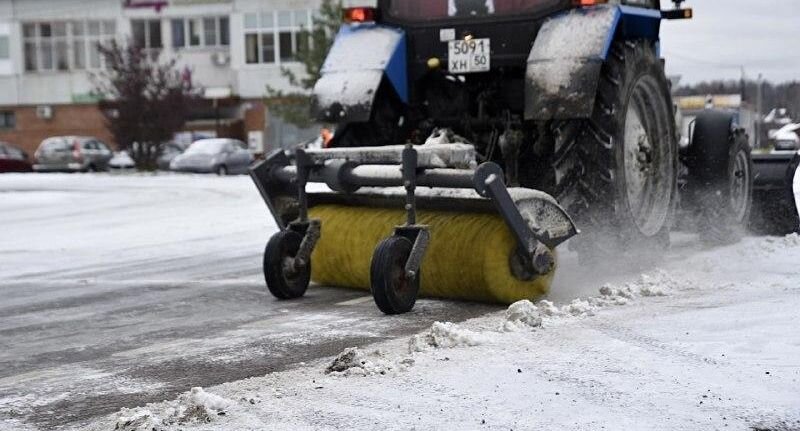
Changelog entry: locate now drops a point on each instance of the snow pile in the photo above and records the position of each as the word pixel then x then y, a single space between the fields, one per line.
pixel 525 314
pixel 194 406
pixel 658 283
pixel 522 315
pixel 138 419
pixel 354 362
pixel 776 244
pixel 444 335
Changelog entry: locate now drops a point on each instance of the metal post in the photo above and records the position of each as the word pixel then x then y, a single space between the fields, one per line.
pixel 410 183
pixel 303 171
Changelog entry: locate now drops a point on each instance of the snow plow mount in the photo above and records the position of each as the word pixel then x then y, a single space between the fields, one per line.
pixel 364 176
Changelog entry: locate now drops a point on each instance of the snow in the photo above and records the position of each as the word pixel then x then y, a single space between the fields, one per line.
pixel 355 362
pixel 375 46
pixel 445 335
pixel 195 406
pixel 576 34
pixel 705 339
pixel 522 315
pixel 565 44
pixel 700 343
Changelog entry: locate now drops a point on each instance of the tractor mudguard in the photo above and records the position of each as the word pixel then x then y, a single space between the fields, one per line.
pixel 566 59
pixel 361 55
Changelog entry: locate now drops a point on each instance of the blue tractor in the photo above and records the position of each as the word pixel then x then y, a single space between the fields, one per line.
pixel 554 114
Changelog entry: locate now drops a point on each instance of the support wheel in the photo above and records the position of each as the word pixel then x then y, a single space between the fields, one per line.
pixel 284 279
pixel 394 292
pixel 222 170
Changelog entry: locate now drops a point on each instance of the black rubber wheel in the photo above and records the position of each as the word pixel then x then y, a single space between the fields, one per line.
pixel 720 178
pixel 394 292
pixel 284 282
pixel 221 170
pixel 616 172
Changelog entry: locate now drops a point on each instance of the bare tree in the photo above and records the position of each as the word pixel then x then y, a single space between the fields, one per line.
pixel 144 101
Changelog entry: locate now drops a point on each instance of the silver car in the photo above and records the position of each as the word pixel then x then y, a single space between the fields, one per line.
pixel 220 156
pixel 72 154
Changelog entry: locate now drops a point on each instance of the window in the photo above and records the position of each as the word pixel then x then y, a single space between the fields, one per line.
pixel 4 54
pixel 7 120
pixel 275 37
pixel 64 45
pixel 207 32
pixel 147 33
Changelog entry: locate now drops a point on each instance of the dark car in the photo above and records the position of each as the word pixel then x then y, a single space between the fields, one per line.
pixel 13 159
pixel 72 154
pixel 171 150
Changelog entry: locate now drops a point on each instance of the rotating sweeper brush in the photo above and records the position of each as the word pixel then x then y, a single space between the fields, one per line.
pixel 407 220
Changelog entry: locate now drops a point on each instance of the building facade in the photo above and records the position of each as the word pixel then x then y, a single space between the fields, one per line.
pixel 233 48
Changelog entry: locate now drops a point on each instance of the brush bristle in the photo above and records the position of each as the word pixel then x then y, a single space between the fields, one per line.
pixel 468 256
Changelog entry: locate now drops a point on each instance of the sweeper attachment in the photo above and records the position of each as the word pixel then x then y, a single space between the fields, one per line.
pixel 517 112
pixel 466 235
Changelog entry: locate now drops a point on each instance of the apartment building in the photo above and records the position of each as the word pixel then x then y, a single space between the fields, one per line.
pixel 233 48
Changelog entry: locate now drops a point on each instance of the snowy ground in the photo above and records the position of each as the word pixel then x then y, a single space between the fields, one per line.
pixel 119 291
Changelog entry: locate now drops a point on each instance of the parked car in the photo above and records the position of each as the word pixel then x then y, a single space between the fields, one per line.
pixel 72 154
pixel 121 160
pixel 13 159
pixel 171 150
pixel 220 156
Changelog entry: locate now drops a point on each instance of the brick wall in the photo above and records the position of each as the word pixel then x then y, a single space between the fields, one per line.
pixel 30 131
pixel 87 120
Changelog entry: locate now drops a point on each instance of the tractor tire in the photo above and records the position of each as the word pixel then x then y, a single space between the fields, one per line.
pixel 720 179
pixel 617 171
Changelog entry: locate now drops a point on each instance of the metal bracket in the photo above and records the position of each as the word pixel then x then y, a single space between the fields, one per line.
pixel 311 231
pixel 421 237
pixel 489 183
pixel 304 164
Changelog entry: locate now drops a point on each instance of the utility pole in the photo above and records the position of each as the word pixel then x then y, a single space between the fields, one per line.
pixel 759 108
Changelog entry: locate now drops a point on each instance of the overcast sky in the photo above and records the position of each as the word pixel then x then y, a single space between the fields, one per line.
pixel 761 35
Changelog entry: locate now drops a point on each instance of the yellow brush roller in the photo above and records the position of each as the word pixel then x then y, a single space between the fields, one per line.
pixel 467 258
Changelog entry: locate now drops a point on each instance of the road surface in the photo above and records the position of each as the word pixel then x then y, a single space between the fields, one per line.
pixel 123 290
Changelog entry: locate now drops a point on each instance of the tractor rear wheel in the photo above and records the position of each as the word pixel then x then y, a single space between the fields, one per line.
pixel 720 180
pixel 616 172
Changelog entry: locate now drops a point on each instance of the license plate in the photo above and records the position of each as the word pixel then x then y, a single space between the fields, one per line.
pixel 469 56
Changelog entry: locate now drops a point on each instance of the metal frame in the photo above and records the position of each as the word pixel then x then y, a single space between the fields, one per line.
pixel 346 170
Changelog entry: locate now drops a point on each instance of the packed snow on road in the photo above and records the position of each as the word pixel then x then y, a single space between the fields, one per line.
pixel 135 302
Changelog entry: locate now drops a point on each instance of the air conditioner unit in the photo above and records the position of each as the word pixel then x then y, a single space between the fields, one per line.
pixel 220 58
pixel 45 112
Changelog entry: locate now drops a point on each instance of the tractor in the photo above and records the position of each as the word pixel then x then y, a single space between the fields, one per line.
pixel 458 122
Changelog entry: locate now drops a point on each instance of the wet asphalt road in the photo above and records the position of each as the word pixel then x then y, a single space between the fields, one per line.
pixel 121 291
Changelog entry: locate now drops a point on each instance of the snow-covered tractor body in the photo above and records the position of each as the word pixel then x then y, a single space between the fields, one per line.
pixel 475 132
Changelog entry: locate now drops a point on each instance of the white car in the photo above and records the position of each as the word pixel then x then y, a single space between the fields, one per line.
pixel 121 160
